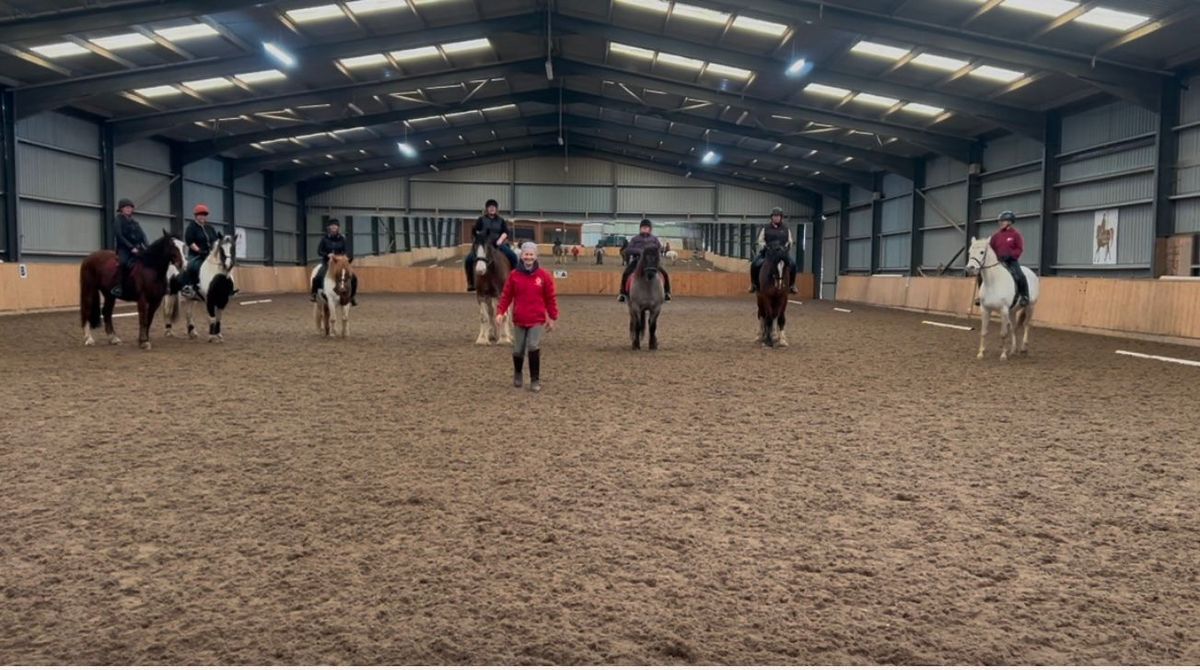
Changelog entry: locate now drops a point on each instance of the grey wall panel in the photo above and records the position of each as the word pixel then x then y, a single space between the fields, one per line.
pixel 858 256
pixel 251 183
pixel 574 199
pixel 1108 192
pixel 1010 150
pixel 549 170
pixel 737 200
pixel 150 154
pixel 287 194
pixel 380 193
pixel 950 200
pixel 630 175
pixel 895 252
pixel 256 244
pixel 1108 164
pixel 492 172
pixel 1027 203
pixel 1189 101
pixel 1187 216
pixel 939 245
pixel 153 224
pixel 53 228
pixel 860 196
pixel 249 210
pixel 285 217
pixel 1007 182
pixel 942 169
pixel 286 248
pixel 894 184
pixel 697 201
pixel 859 222
pixel 362 236
pixel 1115 121
pixel 896 215
pixel 1134 236
pixel 136 184
pixel 52 174
pixel 209 171
pixel 212 196
pixel 455 197
pixel 61 130
pixel 829 258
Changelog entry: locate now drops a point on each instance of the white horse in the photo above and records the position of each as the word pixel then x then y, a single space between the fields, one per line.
pixel 998 293
pixel 672 256
pixel 333 298
pixel 216 288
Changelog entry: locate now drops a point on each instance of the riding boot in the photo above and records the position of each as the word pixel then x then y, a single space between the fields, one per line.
pixel 1023 290
pixel 518 364
pixel 118 291
pixel 535 370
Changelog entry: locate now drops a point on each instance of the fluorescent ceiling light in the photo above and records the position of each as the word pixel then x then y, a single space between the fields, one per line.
pixel 1111 18
pixel 369 6
pixel 996 73
pixel 879 50
pixel 940 62
pixel 673 59
pixel 124 41
pixel 468 45
pixel 208 84
pixel 59 50
pixel 797 68
pixel 363 61
pixel 628 50
pixel 318 13
pixel 831 91
pixel 918 108
pixel 760 26
pixel 878 100
pixel 700 13
pixel 1043 7
pixel 418 52
pixel 189 32
pixel 710 158
pixel 656 5
pixel 260 77
pixel 157 91
pixel 728 71
pixel 279 54
pixel 407 149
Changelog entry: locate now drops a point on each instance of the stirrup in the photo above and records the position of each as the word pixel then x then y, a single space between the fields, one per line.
pixel 620 297
pixel 666 297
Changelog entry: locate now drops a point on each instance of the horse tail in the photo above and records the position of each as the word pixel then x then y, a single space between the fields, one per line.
pixel 171 303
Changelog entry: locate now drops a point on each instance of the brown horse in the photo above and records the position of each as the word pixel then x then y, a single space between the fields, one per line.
pixel 491 272
pixel 774 278
pixel 333 296
pixel 147 285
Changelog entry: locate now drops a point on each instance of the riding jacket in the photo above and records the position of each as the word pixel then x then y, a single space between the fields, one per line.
pixel 201 235
pixel 772 233
pixel 641 242
pixel 129 234
pixel 1008 244
pixel 331 245
pixel 532 296
pixel 494 227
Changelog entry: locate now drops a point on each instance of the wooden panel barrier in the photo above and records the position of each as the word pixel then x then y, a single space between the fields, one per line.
pixel 1133 307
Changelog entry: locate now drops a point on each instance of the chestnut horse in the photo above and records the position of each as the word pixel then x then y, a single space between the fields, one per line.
pixel 147 285
pixel 774 278
pixel 333 298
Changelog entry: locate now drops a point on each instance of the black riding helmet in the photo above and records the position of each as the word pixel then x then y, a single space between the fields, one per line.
pixel 1007 215
pixel 332 222
pixel 491 203
pixel 125 202
pixel 646 224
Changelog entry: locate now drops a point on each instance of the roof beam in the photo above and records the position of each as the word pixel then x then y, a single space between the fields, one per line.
pixel 954 147
pixel 56 23
pixel 770 76
pixel 1154 25
pixel 882 160
pixel 131 128
pixel 320 185
pixel 53 94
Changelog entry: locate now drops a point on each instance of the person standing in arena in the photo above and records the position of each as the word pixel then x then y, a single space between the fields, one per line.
pixel 531 294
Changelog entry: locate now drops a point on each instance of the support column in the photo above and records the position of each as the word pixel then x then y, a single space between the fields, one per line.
pixel 8 154
pixel 843 226
pixel 1167 154
pixel 974 193
pixel 302 222
pixel 375 235
pixel 818 247
pixel 1051 148
pixel 227 193
pixel 877 223
pixel 269 216
pixel 916 238
pixel 108 185
pixel 408 233
pixel 175 189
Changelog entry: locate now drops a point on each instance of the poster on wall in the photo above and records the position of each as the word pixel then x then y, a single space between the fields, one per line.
pixel 1104 238
pixel 239 242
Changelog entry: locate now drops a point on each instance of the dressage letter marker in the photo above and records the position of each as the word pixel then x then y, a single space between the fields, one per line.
pixel 1165 359
pixel 946 325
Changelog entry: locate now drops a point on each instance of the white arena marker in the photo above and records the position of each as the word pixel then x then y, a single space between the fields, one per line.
pixel 254 302
pixel 839 309
pixel 795 302
pixel 947 325
pixel 117 316
pixel 1165 359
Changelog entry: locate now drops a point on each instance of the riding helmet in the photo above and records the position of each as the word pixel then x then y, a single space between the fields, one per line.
pixel 125 202
pixel 645 224
pixel 777 210
pixel 332 222
pixel 1007 215
pixel 491 203
pixel 200 209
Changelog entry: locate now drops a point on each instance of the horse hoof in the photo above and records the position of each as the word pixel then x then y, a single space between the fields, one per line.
pixel 89 342
pixel 114 340
pixel 979 355
pixel 168 333
pixel 145 346
pixel 216 339
pixel 1004 355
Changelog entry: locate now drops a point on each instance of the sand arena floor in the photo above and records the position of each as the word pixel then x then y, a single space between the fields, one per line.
pixel 872 494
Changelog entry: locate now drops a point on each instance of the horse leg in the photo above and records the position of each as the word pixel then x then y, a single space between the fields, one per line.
pixel 1025 337
pixel 985 318
pixel 191 320
pixel 1005 332
pixel 145 319
pixel 345 320
pixel 635 334
pixel 483 325
pixel 506 328
pixel 214 324
pixel 782 337
pixel 89 314
pixel 170 308
pixel 654 330
pixel 316 315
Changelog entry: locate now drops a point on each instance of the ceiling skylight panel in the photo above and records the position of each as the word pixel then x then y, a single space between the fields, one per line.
pixel 681 61
pixel 124 41
pixel 760 26
pixel 728 71
pixel 699 13
pixel 318 13
pixel 940 62
pixel 208 84
pixel 655 5
pixel 59 50
pixel 184 33
pixel 363 61
pixel 468 45
pixel 629 50
pixel 996 73
pixel 829 91
pixel 157 91
pixel 1051 8
pixel 1111 18
pixel 260 77
pixel 879 50
pixel 412 54
pixel 360 7
pixel 919 108
pixel 877 100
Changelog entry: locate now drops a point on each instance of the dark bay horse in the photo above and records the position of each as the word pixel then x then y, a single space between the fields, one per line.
pixel 774 278
pixel 147 285
pixel 646 295
pixel 491 272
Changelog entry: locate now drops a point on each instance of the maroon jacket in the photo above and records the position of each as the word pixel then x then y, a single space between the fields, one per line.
pixel 1008 244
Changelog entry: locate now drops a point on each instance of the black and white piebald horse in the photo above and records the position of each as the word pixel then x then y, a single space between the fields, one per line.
pixel 216 288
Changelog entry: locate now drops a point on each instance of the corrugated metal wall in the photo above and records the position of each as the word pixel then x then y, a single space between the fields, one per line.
pixel 250 212
pixel 287 238
pixel 58 179
pixel 1012 181
pixel 858 237
pixel 204 182
pixel 143 174
pixel 945 206
pixel 830 249
pixel 384 193
pixel 1187 169
pixel 895 230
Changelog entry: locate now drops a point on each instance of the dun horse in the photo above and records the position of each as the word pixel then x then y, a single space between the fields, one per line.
pixel 147 284
pixel 491 272
pixel 774 278
pixel 646 297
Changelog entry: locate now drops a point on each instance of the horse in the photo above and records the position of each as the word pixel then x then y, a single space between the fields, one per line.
pixel 560 253
pixel 333 297
pixel 998 293
pixel 774 278
pixel 672 256
pixel 491 272
pixel 1104 236
pixel 646 297
pixel 216 287
pixel 147 281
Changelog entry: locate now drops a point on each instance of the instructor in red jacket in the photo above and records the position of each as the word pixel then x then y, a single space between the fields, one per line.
pixel 1008 245
pixel 530 292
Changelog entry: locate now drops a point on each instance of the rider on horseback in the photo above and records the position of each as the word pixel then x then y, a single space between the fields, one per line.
pixel 131 243
pixel 334 243
pixel 497 229
pixel 774 232
pixel 199 237
pixel 642 241
pixel 1008 245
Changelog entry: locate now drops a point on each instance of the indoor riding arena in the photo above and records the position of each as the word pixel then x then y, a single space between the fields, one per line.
pixel 961 431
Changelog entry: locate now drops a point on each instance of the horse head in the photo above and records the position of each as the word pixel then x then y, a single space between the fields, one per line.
pixel 224 251
pixel 977 255
pixel 165 251
pixel 648 263
pixel 483 246
pixel 339 270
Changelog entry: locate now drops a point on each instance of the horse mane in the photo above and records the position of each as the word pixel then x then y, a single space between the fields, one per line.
pixel 646 253
pixel 158 254
pixel 770 267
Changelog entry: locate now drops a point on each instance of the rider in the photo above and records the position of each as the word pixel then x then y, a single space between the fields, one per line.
pixel 773 232
pixel 495 226
pixel 642 241
pixel 333 243
pixel 1008 245
pixel 131 243
pixel 199 237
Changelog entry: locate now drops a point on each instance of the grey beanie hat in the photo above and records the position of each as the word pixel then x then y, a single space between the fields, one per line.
pixel 529 246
